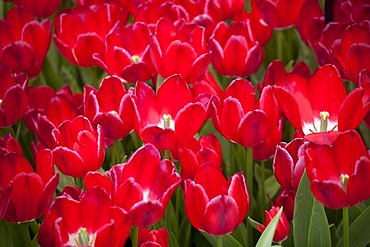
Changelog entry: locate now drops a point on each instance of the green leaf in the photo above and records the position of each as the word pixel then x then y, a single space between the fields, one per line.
pixel 359 230
pixel 269 232
pixel 253 223
pixel 5 237
pixel 227 240
pixel 318 232
pixel 310 224
pixel 20 234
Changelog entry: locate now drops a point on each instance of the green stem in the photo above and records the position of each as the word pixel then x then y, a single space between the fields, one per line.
pixel 345 227
pixel 167 154
pixel 135 236
pixel 263 190
pixel 250 189
pixel 79 183
pixel 219 241
pixel 279 44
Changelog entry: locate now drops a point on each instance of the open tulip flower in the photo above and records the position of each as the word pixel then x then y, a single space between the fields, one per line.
pixel 212 203
pixel 319 107
pixel 343 182
pixel 127 53
pixel 25 195
pixel 144 195
pixel 79 147
pixel 21 34
pixel 163 117
pixel 88 218
pixel 89 32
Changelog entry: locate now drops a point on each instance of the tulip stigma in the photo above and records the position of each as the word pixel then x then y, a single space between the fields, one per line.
pixel 167 121
pixel 135 59
pixel 344 179
pixel 324 121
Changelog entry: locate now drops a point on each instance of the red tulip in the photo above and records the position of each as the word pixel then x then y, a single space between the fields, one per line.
pixel 24 42
pixel 28 193
pixel 150 12
pixel 79 148
pixel 179 50
pixel 223 9
pixel 350 11
pixel 153 238
pixel 110 107
pixel 13 99
pixel 212 203
pixel 288 166
pixel 127 53
pixel 234 50
pixel 163 119
pixel 240 119
pixel 48 109
pixel 282 229
pixel 339 173
pixel 207 150
pixel 142 186
pixel 41 8
pixel 81 32
pixel 311 22
pixel 278 13
pixel 9 145
pixel 88 218
pixel 319 108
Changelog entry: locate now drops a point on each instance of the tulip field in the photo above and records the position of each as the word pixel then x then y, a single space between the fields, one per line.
pixel 155 123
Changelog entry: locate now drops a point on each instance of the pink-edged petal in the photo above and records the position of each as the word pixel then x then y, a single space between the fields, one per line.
pixel 128 194
pixel 45 165
pixel 161 138
pixel 110 93
pixel 96 202
pixel 96 179
pixel 146 213
pixel 212 180
pixel 348 148
pixel 267 148
pixel 244 92
pixel 239 191
pixel 358 188
pixel 196 200
pixel 87 44
pixel 175 62
pixel 231 116
pixel 48 194
pixel 19 56
pixel 186 129
pixel 283 166
pixel 254 128
pixel 14 105
pixel 352 110
pixel 69 162
pixel 329 193
pixel 221 215
pixel 173 95
pixel 327 92
pixel 111 124
pixel 146 103
pixel 322 138
pixel 25 198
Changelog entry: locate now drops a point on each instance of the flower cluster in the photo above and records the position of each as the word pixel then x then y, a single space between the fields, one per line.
pixel 151 122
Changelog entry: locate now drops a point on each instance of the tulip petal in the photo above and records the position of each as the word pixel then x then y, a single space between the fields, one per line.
pixel 254 128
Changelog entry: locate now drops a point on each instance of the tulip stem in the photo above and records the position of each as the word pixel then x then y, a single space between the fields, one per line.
pixel 263 190
pixel 345 227
pixel 219 241
pixel 135 236
pixel 250 170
